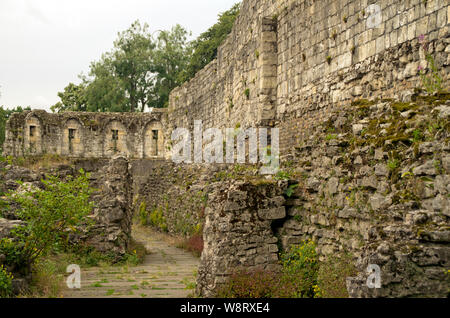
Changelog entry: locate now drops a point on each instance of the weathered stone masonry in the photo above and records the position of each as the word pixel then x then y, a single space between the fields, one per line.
pixel 86 135
pixel 298 66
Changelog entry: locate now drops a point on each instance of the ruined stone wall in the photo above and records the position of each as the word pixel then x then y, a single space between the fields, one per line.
pixel 176 192
pixel 372 183
pixel 112 214
pixel 289 63
pixel 238 231
pixel 86 135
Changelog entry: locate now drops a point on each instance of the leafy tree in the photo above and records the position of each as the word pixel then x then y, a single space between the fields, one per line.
pixel 140 71
pixel 205 46
pixel 72 99
pixel 170 60
pixel 105 91
pixel 49 215
pixel 132 62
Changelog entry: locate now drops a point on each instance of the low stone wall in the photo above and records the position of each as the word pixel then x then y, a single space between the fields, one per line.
pixel 112 214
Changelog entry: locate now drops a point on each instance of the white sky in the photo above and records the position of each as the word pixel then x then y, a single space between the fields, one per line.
pixel 45 44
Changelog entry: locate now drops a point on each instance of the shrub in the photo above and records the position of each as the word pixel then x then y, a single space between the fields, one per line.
pixel 50 214
pixel 143 214
pixel 297 278
pixel 47 279
pixel 5 283
pixel 136 253
pixel 301 265
pixel 157 219
pixel 332 276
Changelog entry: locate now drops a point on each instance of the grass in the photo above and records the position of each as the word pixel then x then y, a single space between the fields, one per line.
pixel 110 292
pixel 47 280
pixel 42 161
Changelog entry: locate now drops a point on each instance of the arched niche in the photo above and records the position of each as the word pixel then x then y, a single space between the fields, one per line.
pixel 153 140
pixel 72 138
pixel 32 136
pixel 115 139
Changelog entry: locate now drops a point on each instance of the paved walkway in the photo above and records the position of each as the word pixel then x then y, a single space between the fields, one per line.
pixel 167 272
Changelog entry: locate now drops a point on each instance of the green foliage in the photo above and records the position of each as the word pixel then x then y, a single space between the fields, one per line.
pixel 139 71
pixel 290 190
pixel 72 99
pixel 417 135
pixel 50 214
pixel 332 274
pixel 47 279
pixel 157 219
pixel 5 282
pixel 432 82
pixel 143 214
pixel 247 93
pixel 297 279
pixel 393 164
pixel 205 46
pixel 283 175
pixel 170 63
pixel 301 264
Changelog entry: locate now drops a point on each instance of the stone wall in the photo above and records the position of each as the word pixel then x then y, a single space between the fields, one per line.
pixel 289 63
pixel 112 215
pixel 86 135
pixel 177 192
pixel 238 231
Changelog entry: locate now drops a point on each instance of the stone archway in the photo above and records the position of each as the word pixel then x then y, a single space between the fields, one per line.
pixel 115 139
pixel 33 136
pixel 72 139
pixel 153 140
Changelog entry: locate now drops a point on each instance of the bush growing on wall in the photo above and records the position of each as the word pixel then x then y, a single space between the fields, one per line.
pixel 332 276
pixel 301 275
pixel 297 278
pixel 50 214
pixel 5 282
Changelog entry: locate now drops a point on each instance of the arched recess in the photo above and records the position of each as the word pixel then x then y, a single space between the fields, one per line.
pixel 153 140
pixel 72 138
pixel 115 139
pixel 32 136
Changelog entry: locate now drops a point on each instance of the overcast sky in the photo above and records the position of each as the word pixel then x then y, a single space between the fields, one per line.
pixel 45 44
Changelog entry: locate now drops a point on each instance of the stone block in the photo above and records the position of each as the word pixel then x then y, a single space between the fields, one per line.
pixel 272 214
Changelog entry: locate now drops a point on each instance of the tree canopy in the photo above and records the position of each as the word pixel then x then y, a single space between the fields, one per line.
pixel 141 71
pixel 206 45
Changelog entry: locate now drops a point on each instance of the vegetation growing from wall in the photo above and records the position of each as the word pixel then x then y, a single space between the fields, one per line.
pixel 297 278
pixel 205 46
pixel 49 216
pixel 4 116
pixel 302 275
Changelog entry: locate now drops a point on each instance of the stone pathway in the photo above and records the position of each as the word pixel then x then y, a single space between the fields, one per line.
pixel 167 272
